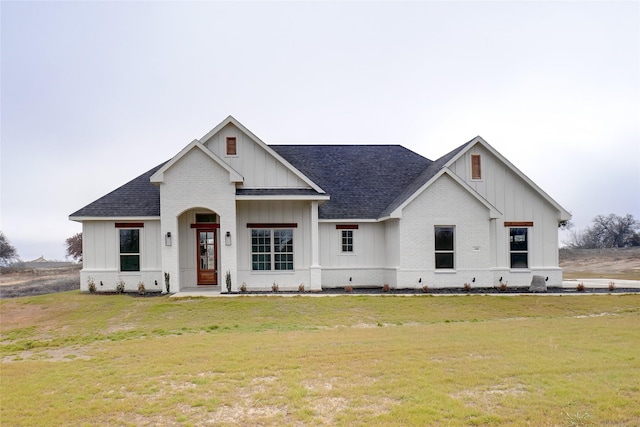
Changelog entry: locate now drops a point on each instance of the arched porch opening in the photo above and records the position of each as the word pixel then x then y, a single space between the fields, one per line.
pixel 199 249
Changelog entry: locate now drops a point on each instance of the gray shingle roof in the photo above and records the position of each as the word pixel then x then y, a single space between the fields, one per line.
pixel 363 181
pixel 138 197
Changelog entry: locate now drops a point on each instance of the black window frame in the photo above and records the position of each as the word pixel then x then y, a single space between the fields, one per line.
pixel 518 248
pixel 129 249
pixel 444 247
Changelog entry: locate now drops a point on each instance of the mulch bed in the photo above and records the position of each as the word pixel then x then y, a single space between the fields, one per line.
pixel 447 291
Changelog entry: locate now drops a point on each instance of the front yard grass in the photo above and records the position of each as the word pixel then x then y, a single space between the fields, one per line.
pixel 80 359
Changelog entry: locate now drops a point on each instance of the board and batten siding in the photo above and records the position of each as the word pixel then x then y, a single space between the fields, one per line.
pixel 274 212
pixel 259 168
pixel 101 256
pixel 374 258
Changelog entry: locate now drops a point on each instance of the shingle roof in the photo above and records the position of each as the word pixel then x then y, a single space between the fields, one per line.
pixel 362 180
pixel 421 180
pixel 137 198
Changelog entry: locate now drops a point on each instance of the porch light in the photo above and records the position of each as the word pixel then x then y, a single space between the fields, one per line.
pixel 167 239
pixel 227 238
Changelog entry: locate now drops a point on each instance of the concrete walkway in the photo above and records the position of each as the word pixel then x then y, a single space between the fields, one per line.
pixel 601 283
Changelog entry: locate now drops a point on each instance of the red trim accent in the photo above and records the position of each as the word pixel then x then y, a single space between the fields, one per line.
pixel 346 226
pixel 271 225
pixel 518 223
pixel 129 224
pixel 205 226
pixel 476 167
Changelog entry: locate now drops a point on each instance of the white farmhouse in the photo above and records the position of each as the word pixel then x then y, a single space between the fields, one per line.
pixel 229 207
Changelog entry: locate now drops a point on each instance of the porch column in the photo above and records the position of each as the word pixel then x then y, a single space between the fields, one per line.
pixel 315 271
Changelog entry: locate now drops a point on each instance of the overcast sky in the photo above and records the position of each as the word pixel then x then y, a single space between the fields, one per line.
pixel 96 93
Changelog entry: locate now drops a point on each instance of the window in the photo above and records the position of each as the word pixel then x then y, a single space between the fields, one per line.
pixel 476 167
pixel 271 249
pixel 444 247
pixel 232 148
pixel 518 248
pixel 129 250
pixel 205 217
pixel 347 240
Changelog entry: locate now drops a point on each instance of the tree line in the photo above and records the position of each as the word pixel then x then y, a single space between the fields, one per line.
pixel 606 231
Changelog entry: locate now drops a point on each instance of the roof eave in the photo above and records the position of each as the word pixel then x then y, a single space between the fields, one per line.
pixel 83 218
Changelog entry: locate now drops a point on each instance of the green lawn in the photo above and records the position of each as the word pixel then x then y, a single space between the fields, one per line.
pixel 81 359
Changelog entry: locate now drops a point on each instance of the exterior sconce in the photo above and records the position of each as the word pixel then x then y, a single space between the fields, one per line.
pixel 227 238
pixel 167 239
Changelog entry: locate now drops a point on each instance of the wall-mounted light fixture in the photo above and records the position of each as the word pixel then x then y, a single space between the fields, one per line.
pixel 227 238
pixel 167 239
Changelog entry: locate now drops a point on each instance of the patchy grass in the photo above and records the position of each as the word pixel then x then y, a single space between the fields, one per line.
pixel 80 359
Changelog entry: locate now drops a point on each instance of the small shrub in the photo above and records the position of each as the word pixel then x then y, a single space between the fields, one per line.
pixel 503 286
pixel 243 287
pixel 425 288
pixel 386 288
pixel 467 287
pixel 612 286
pixel 348 288
pixel 141 288
pixel 167 281
pixel 92 285
pixel 580 287
pixel 228 280
pixel 120 286
pixel 301 287
pixel 275 287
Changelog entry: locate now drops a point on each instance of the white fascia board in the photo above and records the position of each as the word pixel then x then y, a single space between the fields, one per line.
pixel 493 212
pixel 564 214
pixel 282 197
pixel 158 177
pixel 113 218
pixel 349 221
pixel 266 147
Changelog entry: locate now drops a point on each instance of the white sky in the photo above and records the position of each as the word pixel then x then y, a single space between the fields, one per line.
pixel 96 93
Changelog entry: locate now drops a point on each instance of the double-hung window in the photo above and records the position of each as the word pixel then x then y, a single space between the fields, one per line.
pixel 129 249
pixel 519 247
pixel 271 249
pixel 444 245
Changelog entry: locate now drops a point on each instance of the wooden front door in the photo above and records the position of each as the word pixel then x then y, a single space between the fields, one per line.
pixel 207 257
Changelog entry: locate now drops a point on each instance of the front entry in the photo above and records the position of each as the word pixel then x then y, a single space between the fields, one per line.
pixel 207 257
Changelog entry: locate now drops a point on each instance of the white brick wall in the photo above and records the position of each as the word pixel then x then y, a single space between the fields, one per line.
pixel 445 202
pixel 196 181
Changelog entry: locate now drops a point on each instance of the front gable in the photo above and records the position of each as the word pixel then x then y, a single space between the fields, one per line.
pixel 497 180
pixel 259 164
pixel 195 146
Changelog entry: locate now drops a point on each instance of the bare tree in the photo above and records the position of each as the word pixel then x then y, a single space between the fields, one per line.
pixel 8 253
pixel 74 247
pixel 611 231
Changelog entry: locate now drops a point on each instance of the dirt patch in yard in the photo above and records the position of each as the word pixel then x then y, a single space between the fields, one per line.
pixel 615 263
